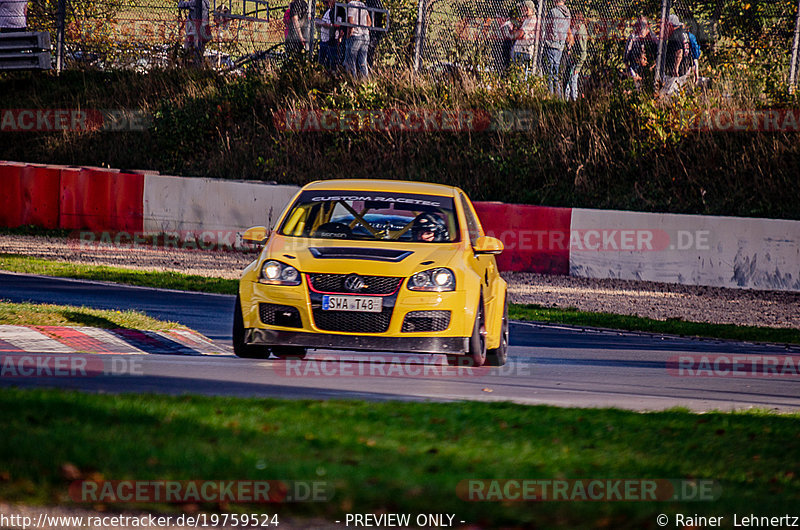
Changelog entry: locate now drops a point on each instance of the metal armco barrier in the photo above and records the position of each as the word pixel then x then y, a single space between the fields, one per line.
pixel 28 50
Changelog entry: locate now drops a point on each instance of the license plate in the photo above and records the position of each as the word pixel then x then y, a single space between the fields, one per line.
pixel 368 304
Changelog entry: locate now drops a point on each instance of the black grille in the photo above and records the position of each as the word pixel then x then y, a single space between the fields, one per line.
pixel 426 321
pixel 280 315
pixel 353 321
pixel 334 283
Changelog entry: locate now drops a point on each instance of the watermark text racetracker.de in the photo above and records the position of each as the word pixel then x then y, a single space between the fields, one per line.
pixel 200 491
pixel 740 120
pixel 604 239
pixel 734 365
pixel 68 365
pixel 414 365
pixel 587 489
pixel 577 240
pixel 74 120
pixel 410 120
pixel 171 239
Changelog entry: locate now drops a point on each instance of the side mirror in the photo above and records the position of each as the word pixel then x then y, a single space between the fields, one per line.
pixel 487 245
pixel 256 235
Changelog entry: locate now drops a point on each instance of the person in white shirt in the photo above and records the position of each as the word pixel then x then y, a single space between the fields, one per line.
pixel 357 45
pixel 328 49
pixel 525 37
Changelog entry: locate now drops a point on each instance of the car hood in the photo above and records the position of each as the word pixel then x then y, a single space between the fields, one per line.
pixel 377 258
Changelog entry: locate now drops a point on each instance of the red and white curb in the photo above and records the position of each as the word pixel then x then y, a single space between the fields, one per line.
pixel 62 339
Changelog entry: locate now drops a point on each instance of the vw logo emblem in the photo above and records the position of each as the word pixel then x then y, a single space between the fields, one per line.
pixel 354 283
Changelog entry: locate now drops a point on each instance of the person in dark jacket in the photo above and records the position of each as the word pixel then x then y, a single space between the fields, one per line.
pixel 678 58
pixel 297 35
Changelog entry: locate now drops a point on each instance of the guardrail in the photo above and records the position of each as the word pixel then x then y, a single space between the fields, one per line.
pixel 25 50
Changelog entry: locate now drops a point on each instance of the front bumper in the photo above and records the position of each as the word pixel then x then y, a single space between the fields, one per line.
pixel 271 337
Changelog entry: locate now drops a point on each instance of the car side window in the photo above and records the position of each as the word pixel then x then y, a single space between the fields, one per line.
pixel 473 226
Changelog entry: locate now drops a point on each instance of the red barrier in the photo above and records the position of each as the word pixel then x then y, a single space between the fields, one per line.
pixel 536 238
pixel 101 199
pixel 10 203
pixel 40 196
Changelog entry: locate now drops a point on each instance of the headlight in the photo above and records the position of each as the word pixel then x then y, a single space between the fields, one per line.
pixel 433 280
pixel 277 273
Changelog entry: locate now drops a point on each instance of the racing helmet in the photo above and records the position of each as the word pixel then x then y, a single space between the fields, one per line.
pixel 426 222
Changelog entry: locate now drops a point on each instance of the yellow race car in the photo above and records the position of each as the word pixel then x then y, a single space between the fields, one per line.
pixel 374 265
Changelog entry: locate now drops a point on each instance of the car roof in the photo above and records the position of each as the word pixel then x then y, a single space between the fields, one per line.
pixel 392 186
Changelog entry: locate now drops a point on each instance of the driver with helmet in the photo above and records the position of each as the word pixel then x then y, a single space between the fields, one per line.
pixel 428 228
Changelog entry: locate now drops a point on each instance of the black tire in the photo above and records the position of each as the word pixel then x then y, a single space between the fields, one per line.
pixel 476 355
pixel 498 356
pixel 240 349
pixel 289 352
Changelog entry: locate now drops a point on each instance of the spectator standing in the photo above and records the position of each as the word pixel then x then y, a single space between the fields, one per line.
pixel 639 48
pixel 503 43
pixel 327 37
pixel 357 44
pixel 694 48
pixel 340 34
pixel 525 37
pixel 678 58
pixel 297 34
pixel 13 15
pixel 578 53
pixel 556 32
pixel 222 18
pixel 198 32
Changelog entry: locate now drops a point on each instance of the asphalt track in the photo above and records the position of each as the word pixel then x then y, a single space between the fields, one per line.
pixel 549 364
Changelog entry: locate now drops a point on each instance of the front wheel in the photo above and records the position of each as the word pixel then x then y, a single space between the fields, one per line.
pixel 498 356
pixel 240 348
pixel 476 355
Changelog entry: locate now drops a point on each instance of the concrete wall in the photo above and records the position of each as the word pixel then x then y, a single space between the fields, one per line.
pixel 687 249
pixel 197 204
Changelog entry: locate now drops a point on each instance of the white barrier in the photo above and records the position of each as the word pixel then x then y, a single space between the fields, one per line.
pixel 688 249
pixel 180 204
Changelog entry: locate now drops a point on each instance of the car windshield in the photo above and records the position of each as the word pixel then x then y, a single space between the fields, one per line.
pixel 367 215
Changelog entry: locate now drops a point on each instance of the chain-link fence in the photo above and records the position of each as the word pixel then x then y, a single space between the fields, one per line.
pixel 142 34
pixel 746 45
pixel 749 46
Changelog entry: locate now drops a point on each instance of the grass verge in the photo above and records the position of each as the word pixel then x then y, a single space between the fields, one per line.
pixel 671 326
pixel 187 282
pixel 27 314
pixel 162 280
pixel 395 456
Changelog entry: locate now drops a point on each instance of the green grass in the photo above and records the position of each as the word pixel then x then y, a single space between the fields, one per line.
pixel 33 230
pixel 187 282
pixel 162 280
pixel 671 326
pixel 396 457
pixel 27 314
